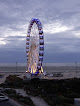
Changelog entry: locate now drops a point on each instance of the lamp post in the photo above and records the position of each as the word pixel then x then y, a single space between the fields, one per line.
pixel 16 67
pixel 76 69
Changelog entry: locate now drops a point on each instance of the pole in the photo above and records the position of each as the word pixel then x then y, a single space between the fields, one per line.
pixel 76 68
pixel 16 67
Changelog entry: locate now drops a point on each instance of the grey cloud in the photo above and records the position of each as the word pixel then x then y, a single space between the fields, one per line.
pixel 16 14
pixel 77 28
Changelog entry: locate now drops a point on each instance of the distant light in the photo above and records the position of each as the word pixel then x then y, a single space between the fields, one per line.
pixel 26 71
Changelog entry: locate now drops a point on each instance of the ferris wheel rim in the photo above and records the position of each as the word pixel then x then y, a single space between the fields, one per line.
pixel 41 41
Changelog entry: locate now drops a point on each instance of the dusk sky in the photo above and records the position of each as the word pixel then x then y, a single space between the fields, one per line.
pixel 61 25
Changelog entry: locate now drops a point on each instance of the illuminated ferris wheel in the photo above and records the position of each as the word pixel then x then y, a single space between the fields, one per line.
pixel 35 47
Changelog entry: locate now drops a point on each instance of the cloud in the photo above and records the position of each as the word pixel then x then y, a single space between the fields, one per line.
pixel 60 21
pixel 57 27
pixel 2 43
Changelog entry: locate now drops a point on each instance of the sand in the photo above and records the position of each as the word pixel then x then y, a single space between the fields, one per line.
pixel 66 71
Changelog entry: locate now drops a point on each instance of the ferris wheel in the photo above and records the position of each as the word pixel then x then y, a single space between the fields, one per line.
pixel 35 47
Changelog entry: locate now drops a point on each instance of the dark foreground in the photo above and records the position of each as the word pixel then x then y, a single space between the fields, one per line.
pixel 5 103
pixel 54 92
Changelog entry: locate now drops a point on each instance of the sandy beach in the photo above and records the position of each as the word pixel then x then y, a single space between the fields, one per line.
pixel 66 71
pixel 48 69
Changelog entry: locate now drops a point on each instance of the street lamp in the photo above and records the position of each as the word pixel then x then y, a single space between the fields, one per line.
pixel 76 68
pixel 16 67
